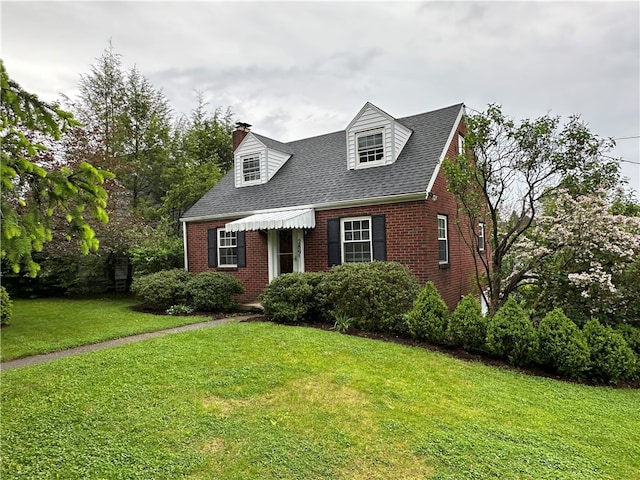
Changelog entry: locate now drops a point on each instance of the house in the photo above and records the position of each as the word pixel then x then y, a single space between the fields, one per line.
pixel 373 191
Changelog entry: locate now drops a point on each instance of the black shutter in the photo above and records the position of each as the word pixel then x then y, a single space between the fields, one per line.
pixel 333 241
pixel 379 237
pixel 212 247
pixel 242 249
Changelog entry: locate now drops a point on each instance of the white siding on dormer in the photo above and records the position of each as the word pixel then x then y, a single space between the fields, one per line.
pixel 371 119
pixel 250 146
pixel 275 160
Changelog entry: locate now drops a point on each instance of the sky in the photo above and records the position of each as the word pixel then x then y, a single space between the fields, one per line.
pixel 297 69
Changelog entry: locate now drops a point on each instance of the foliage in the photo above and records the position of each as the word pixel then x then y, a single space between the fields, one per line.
pixel 511 334
pixel 6 306
pixel 427 320
pixel 295 297
pixel 342 323
pixel 376 294
pixel 467 326
pixel 562 345
pixel 180 309
pixel 35 187
pixel 155 249
pixel 163 289
pixel 506 170
pixel 213 291
pixel 611 358
pixel 631 335
pixel 586 273
pixel 235 401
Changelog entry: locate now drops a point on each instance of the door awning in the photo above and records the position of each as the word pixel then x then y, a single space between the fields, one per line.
pixel 274 221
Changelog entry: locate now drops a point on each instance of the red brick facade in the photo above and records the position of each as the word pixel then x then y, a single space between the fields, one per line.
pixel 411 239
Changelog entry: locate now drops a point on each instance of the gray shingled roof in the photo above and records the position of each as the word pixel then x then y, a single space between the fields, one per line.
pixel 317 171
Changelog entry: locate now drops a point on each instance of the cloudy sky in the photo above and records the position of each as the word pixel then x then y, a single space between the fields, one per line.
pixel 298 69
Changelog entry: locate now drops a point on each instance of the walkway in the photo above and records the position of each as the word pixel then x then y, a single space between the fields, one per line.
pixel 46 357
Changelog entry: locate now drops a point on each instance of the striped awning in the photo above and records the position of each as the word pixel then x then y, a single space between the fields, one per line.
pixel 274 221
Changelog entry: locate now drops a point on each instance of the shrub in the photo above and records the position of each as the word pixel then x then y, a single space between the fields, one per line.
pixel 180 309
pixel 427 320
pixel 562 345
pixel 375 294
pixel 294 297
pixel 611 358
pixel 510 334
pixel 163 289
pixel 213 291
pixel 631 335
pixel 6 306
pixel 467 326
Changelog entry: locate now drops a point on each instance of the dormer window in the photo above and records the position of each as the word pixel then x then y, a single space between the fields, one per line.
pixel 251 168
pixel 370 147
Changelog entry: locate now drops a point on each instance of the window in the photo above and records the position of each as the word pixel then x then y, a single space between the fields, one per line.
pixel 481 237
pixel 443 240
pixel 227 248
pixel 370 147
pixel 460 144
pixel 251 168
pixel 356 240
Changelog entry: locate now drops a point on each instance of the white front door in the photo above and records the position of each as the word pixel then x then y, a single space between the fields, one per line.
pixel 286 251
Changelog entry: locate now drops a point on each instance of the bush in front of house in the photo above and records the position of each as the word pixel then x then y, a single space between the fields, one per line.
pixel 376 294
pixel 611 358
pixel 6 306
pixel 161 290
pixel 562 345
pixel 467 326
pixel 427 320
pixel 511 335
pixel 213 291
pixel 295 297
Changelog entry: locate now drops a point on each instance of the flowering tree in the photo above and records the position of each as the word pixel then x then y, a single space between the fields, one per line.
pixel 584 259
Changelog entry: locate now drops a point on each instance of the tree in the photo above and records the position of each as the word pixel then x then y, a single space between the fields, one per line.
pixel 503 175
pixel 36 186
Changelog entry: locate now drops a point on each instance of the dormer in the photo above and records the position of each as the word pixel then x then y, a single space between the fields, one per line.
pixel 374 138
pixel 257 159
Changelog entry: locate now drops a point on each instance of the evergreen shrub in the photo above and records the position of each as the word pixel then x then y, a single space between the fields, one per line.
pixel 213 291
pixel 6 306
pixel 376 294
pixel 295 297
pixel 467 326
pixel 562 346
pixel 611 358
pixel 427 320
pixel 161 290
pixel 511 335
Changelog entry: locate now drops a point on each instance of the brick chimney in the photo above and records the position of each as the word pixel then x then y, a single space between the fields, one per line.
pixel 239 133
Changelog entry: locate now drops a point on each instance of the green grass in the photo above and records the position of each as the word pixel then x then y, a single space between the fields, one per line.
pixel 49 325
pixel 263 401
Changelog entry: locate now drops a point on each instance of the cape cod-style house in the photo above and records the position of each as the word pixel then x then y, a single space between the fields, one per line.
pixel 373 191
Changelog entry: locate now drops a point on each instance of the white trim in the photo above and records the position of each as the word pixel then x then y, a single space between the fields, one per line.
pixel 273 251
pixel 184 241
pixel 481 230
pixel 368 133
pixel 445 238
pixel 360 202
pixel 218 247
pixel 251 156
pixel 343 241
pixel 436 171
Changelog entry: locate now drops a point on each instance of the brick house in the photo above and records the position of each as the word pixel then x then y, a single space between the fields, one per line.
pixel 373 191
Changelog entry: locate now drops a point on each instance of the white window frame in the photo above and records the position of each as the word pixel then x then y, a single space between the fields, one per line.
pixel 460 144
pixel 245 158
pixel 481 237
pixel 370 133
pixel 343 240
pixel 222 234
pixel 444 238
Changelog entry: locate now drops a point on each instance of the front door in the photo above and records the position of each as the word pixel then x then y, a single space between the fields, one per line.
pixel 286 251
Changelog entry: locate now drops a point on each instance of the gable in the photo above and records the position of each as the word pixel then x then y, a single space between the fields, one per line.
pixel 256 152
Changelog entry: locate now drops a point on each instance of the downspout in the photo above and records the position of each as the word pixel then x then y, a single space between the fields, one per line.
pixel 184 240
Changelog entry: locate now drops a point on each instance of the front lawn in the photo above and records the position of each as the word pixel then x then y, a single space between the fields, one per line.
pixel 264 401
pixel 53 324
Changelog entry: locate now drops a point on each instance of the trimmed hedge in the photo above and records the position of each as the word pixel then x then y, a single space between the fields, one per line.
pixel 213 291
pixel 510 334
pixel 562 345
pixel 611 358
pixel 376 294
pixel 295 297
pixel 427 320
pixel 162 290
pixel 6 306
pixel 467 326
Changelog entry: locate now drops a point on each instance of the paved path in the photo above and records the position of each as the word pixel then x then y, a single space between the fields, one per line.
pixel 46 357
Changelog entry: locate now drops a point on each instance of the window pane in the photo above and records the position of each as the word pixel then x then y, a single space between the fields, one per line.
pixel 251 168
pixel 442 251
